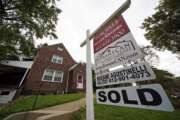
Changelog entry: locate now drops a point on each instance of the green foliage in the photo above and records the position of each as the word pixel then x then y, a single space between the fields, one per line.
pixel 26 103
pixel 163 27
pixel 178 78
pixel 107 112
pixel 177 82
pixel 79 115
pixel 164 78
pixel 23 21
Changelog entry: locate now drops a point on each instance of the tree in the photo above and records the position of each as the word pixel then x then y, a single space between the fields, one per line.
pixel 163 76
pixel 163 27
pixel 23 21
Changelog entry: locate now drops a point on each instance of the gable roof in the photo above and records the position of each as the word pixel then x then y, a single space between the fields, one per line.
pixel 56 46
pixel 72 67
pixel 75 65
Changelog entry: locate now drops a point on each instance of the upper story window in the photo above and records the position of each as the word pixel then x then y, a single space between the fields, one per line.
pixel 60 48
pixel 52 75
pixel 57 59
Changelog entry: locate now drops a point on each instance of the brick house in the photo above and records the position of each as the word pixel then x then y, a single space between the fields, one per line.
pixel 54 71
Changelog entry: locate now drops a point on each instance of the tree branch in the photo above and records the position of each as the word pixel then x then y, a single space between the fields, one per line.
pixel 11 18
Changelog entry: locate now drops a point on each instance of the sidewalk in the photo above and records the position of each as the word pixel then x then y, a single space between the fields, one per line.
pixel 59 112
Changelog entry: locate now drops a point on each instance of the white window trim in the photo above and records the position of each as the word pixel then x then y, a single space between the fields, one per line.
pixel 44 75
pixel 54 71
pixel 54 77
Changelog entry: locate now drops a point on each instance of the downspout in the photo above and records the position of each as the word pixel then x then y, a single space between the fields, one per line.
pixel 67 84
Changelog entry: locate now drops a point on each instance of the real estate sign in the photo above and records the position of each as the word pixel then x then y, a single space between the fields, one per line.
pixel 115 45
pixel 147 97
pixel 136 72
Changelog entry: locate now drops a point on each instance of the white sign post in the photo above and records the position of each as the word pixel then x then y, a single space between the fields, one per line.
pixel 115 45
pixel 89 89
pixel 147 97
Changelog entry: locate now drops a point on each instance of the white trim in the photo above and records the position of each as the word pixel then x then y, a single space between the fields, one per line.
pixel 44 75
pixel 53 76
pixel 21 64
pixel 72 67
pixel 61 76
pixel 24 76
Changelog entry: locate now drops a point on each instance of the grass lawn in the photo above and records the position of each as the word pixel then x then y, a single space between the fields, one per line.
pixel 26 103
pixel 106 112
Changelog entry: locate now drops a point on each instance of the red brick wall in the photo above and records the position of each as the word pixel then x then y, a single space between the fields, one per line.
pixel 42 61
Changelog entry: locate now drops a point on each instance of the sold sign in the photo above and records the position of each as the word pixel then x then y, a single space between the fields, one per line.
pixel 147 97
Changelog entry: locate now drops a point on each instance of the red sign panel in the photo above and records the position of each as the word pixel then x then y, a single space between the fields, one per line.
pixel 116 29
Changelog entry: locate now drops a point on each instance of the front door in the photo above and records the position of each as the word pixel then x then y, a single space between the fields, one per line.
pixel 79 81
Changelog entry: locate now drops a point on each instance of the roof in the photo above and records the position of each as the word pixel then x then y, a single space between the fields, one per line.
pixel 20 64
pixel 74 66
pixel 56 45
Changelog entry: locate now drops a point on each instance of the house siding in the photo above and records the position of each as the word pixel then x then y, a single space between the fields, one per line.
pixel 42 61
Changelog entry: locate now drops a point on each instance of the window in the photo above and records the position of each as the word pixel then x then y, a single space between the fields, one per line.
pixel 58 76
pixel 52 75
pixel 60 48
pixel 48 75
pixel 57 59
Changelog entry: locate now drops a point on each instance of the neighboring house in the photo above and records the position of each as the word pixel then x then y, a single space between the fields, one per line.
pixel 12 75
pixel 53 71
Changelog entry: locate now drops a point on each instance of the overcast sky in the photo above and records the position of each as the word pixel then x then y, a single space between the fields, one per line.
pixel 79 15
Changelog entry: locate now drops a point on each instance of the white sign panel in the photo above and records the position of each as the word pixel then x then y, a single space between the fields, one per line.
pixel 147 97
pixel 137 72
pixel 119 52
pixel 115 45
